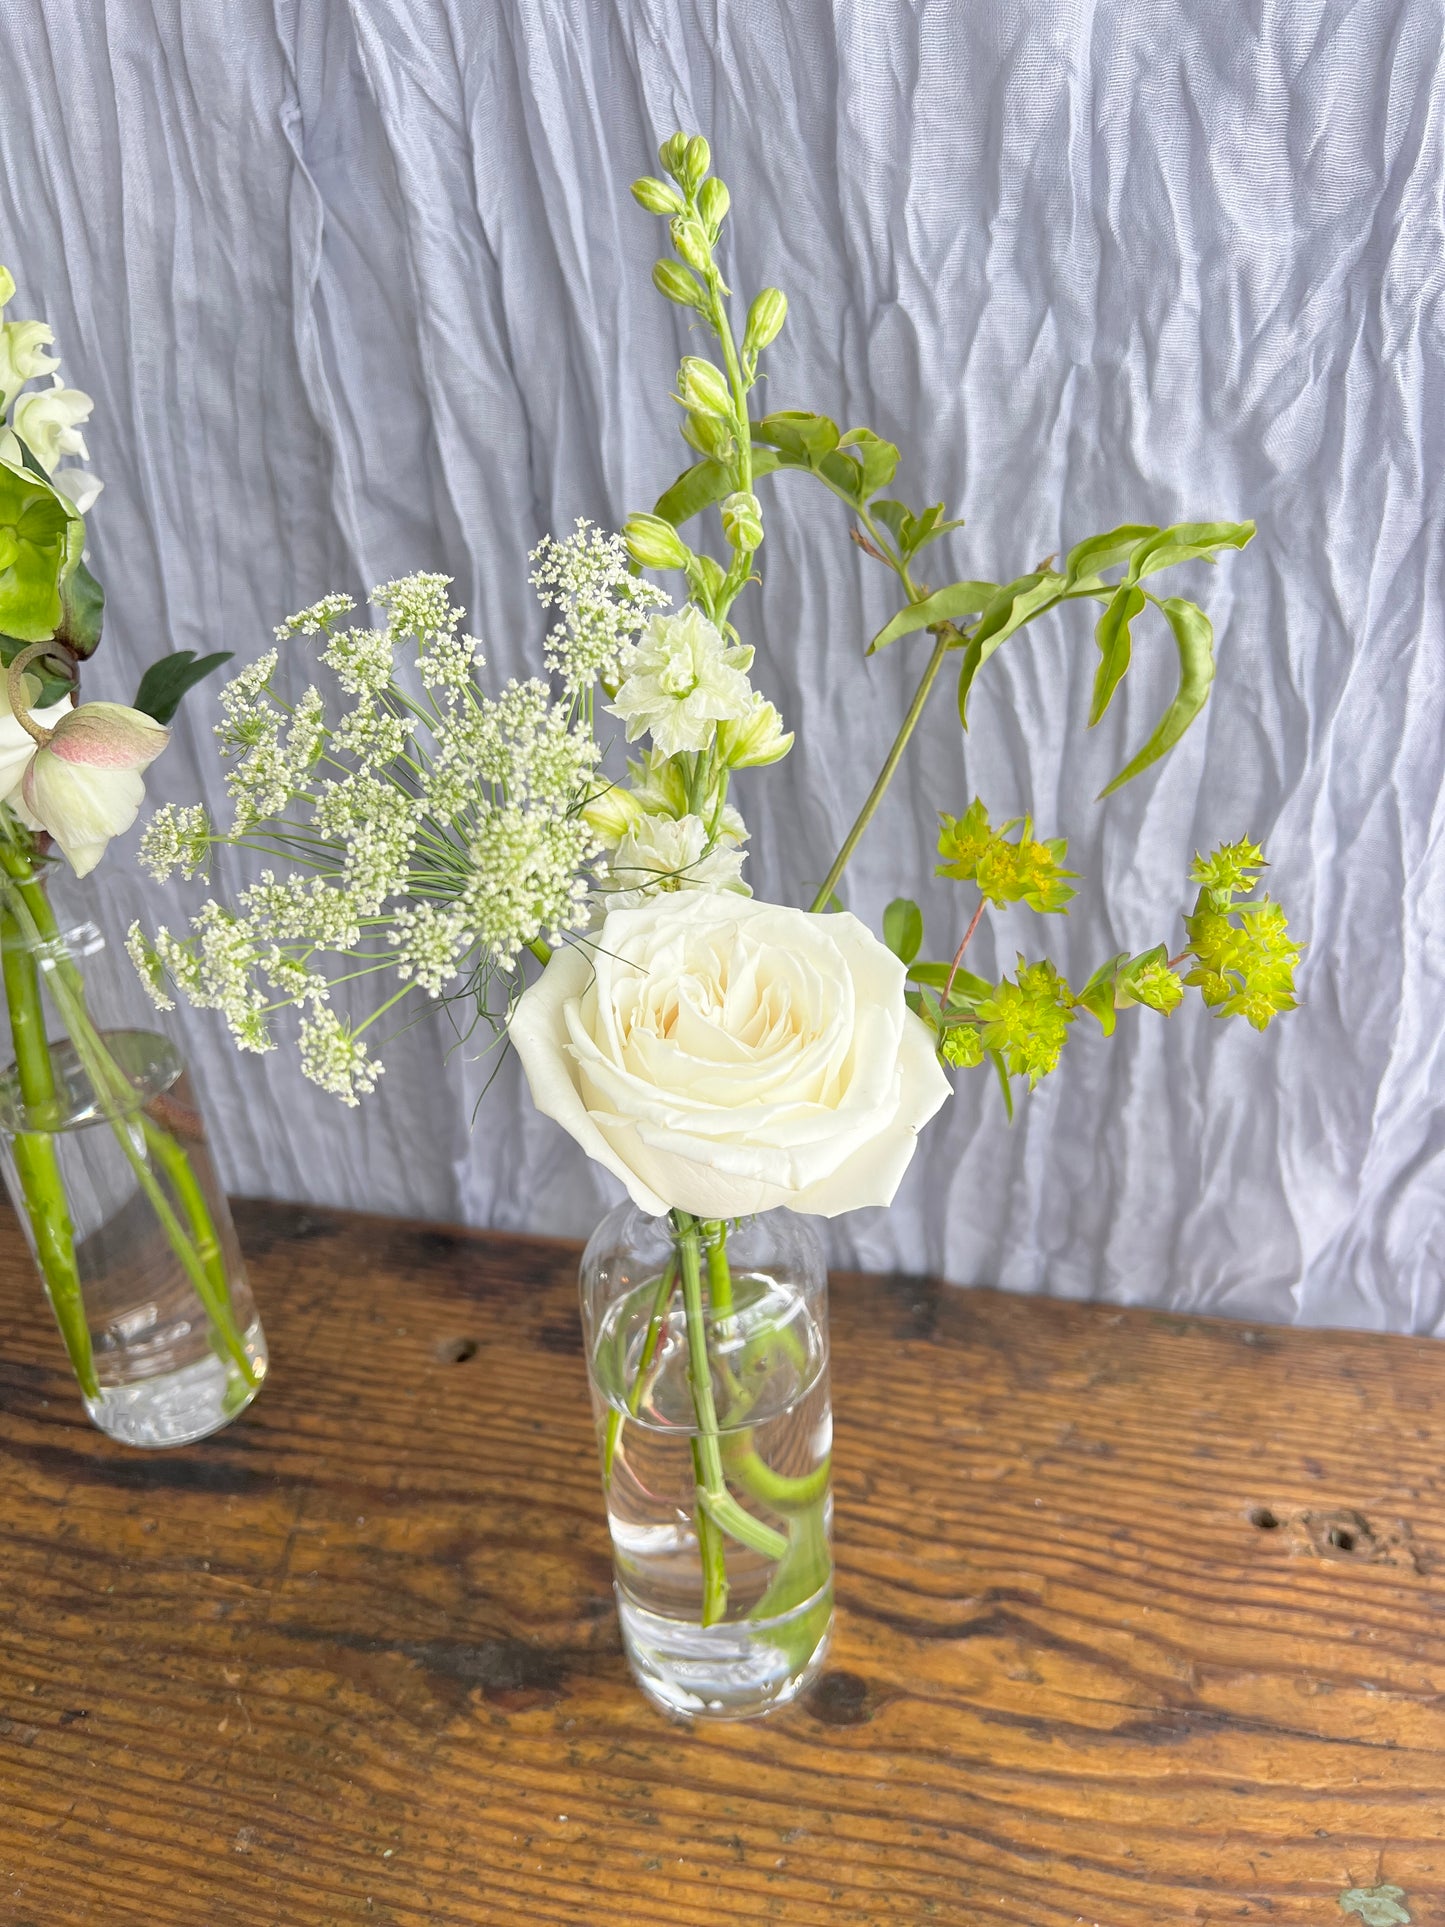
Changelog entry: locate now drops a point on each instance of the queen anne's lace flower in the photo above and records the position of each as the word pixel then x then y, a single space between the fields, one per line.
pixel 589 578
pixel 681 681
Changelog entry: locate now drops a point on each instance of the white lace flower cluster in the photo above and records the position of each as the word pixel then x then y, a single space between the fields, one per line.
pixel 47 420
pixel 436 836
pixel 588 578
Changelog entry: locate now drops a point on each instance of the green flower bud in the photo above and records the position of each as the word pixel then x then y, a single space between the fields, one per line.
pixel 690 239
pixel 695 162
pixel 703 387
pixel 612 814
pixel 742 520
pixel 673 155
pixel 756 739
pixel 7 287
pixel 962 1046
pixel 654 543
pixel 709 434
pixel 656 196
pixel 713 204
pixel 677 284
pixel 765 320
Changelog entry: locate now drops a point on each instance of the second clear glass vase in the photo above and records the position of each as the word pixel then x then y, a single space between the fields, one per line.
pixel 104 1156
pixel 707 1347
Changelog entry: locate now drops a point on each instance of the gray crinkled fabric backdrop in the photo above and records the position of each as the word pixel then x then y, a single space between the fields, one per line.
pixel 360 288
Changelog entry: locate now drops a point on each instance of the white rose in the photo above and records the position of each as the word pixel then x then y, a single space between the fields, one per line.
pixel 723 1056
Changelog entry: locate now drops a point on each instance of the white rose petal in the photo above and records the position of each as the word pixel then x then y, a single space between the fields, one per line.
pixel 724 1056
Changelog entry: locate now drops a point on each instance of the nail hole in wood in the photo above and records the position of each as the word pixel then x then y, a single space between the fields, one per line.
pixel 1345 1541
pixel 456 1351
pixel 1264 1519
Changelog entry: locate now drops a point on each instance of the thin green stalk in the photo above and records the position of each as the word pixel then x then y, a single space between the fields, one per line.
pixel 41 1184
pixel 941 647
pixel 714 1498
pixel 667 1284
pixel 114 1090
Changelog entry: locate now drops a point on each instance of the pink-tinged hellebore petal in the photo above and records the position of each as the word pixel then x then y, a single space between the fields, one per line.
pixel 84 786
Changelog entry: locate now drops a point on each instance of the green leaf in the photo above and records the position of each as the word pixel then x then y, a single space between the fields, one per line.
pixel 1097 995
pixel 845 473
pixel 1187 542
pixel 166 682
pixel 967 988
pixel 877 459
pixel 1194 637
pixel 705 483
pixel 1013 606
pixel 903 928
pixel 944 605
pixel 82 611
pixel 929 525
pixel 895 517
pixel 1112 636
pixel 41 536
pixel 1002 1069
pixel 1103 551
pixel 796 432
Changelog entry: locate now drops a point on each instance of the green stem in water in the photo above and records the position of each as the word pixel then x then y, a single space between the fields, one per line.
pixel 41 1184
pixel 942 644
pixel 667 1284
pixel 715 1501
pixel 34 924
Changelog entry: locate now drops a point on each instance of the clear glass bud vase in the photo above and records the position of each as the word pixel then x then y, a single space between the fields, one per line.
pixel 707 1352
pixel 105 1160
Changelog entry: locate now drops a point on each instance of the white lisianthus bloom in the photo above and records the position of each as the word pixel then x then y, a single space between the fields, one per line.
pixel 682 680
pixel 84 785
pixel 723 1056
pixel 671 853
pixel 48 421
pixel 23 357
pixel 17 745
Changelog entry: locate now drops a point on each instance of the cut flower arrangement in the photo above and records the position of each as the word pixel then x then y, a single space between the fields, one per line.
pixel 103 1150
pixel 739 1066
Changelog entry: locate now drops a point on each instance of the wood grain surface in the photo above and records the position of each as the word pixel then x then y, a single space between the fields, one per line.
pixel 1140 1623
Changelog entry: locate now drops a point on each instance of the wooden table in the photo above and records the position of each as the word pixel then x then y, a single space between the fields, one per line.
pixel 1139 1624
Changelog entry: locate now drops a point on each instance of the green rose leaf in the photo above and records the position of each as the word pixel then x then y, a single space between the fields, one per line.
pixel 1112 636
pixel 903 928
pixel 1194 637
pixel 944 605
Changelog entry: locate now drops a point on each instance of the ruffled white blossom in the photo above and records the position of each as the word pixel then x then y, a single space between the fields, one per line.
pixel 671 853
pixel 48 421
pixel 681 681
pixel 23 357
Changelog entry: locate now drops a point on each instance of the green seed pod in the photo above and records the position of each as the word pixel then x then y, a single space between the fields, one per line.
pixel 673 155
pixel 656 196
pixel 713 203
pixel 742 520
pixel 655 543
pixel 690 238
pixel 702 387
pixel 695 163
pixel 765 320
pixel 677 284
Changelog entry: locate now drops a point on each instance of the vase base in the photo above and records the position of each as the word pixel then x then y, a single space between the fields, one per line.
pixel 740 1670
pixel 177 1408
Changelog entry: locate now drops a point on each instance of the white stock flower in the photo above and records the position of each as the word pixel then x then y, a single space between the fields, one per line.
pixel 671 853
pixel 23 357
pixel 84 785
pixel 723 1056
pixel 48 421
pixel 79 487
pixel 682 680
